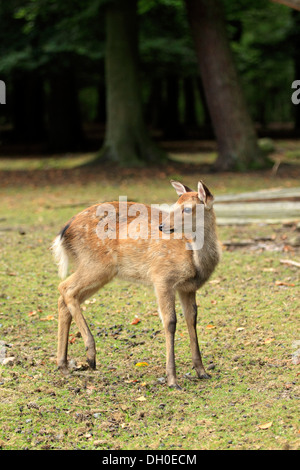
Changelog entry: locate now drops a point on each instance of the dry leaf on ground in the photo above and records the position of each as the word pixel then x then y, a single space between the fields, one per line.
pixel 266 425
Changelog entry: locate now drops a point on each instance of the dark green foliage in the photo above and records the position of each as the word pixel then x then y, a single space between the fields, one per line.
pixel 264 56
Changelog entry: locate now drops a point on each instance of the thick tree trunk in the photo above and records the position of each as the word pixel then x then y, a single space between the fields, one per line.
pixel 234 130
pixel 127 141
pixel 64 123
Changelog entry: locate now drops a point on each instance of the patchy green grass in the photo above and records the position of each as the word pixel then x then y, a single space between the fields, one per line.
pixel 248 329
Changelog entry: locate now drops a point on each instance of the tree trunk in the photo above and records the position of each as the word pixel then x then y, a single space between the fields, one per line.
pixel 64 123
pixel 126 141
pixel 234 130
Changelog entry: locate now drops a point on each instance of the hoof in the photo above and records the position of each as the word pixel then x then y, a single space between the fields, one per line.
pixel 64 370
pixel 204 376
pixel 175 387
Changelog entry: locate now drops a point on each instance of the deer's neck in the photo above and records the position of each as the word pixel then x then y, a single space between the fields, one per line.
pixel 206 251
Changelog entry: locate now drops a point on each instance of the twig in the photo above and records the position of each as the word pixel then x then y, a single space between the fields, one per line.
pixel 275 168
pixel 290 262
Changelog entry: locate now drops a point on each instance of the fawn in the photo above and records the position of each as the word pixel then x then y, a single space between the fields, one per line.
pixel 171 262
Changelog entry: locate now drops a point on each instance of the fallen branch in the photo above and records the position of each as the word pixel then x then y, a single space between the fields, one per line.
pixel 290 262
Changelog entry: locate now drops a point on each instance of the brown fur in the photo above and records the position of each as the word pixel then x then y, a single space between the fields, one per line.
pixel 164 263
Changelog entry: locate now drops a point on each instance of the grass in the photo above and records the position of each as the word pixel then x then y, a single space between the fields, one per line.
pixel 248 328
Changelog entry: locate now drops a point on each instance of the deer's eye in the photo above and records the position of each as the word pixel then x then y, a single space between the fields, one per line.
pixel 187 210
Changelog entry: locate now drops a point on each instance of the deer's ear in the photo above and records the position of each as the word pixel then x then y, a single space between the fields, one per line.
pixel 205 195
pixel 180 188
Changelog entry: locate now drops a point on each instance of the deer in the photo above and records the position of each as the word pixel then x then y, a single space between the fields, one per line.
pixel 172 262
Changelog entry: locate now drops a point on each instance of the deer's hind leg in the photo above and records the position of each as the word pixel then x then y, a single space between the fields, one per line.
pixel 64 322
pixel 74 290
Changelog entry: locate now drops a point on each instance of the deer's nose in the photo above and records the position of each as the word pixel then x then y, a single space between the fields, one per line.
pixel 161 227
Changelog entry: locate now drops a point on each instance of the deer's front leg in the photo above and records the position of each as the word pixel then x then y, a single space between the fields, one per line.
pixel 188 302
pixel 166 303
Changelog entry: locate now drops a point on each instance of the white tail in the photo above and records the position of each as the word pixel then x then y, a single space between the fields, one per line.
pixel 171 263
pixel 61 256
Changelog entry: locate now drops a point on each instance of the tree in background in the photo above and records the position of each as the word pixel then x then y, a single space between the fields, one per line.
pixel 127 141
pixel 234 129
